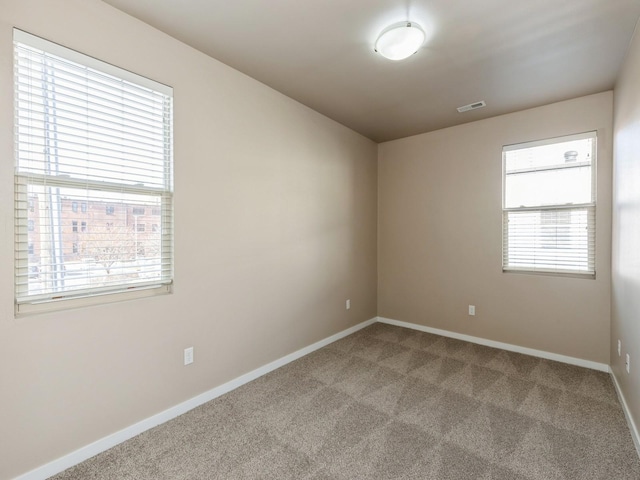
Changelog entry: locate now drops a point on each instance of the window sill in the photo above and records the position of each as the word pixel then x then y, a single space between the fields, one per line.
pixel 28 309
pixel 584 276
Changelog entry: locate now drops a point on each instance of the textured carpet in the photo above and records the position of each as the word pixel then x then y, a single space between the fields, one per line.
pixel 392 403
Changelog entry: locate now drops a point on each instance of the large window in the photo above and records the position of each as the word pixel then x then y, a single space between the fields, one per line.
pixel 549 205
pixel 91 134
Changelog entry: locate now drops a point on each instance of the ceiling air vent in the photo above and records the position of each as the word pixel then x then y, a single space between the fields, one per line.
pixel 472 106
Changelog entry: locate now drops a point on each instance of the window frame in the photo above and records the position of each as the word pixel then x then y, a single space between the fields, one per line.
pixel 26 304
pixel 590 207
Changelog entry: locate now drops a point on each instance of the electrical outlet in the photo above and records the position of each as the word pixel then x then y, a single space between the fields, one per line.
pixel 348 304
pixel 188 356
pixel 619 347
pixel 628 363
pixel 472 310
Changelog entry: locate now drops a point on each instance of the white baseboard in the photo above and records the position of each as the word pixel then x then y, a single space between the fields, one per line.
pixel 88 451
pixel 602 367
pixel 627 413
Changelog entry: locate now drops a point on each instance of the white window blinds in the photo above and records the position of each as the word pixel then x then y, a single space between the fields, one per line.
pixel 94 176
pixel 549 205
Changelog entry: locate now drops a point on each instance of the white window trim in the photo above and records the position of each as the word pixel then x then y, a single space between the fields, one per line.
pixel 591 207
pixel 35 304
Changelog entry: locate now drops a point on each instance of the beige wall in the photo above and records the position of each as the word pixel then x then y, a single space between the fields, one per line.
pixel 290 235
pixel 625 294
pixel 440 231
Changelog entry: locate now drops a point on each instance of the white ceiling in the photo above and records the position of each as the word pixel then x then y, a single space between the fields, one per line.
pixel 514 54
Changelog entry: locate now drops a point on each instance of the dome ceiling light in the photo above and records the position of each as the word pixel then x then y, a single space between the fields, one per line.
pixel 400 40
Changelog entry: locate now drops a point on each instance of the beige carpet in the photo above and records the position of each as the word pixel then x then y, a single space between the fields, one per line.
pixel 393 403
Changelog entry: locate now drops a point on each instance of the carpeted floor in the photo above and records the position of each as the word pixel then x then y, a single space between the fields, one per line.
pixel 392 403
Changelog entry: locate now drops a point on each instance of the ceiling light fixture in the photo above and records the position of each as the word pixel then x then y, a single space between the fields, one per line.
pixel 400 40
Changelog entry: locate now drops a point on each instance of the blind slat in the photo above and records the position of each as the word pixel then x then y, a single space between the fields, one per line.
pixel 567 243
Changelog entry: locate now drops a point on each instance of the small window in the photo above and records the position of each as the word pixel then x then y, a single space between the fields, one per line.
pixel 32 205
pixel 74 226
pixel 74 207
pixel 549 206
pixel 74 248
pixel 31 225
pixel 140 227
pixel 83 227
pixel 109 225
pixel 155 211
pixel 30 249
pixel 154 227
pixel 110 210
pixel 138 210
pixel 83 207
